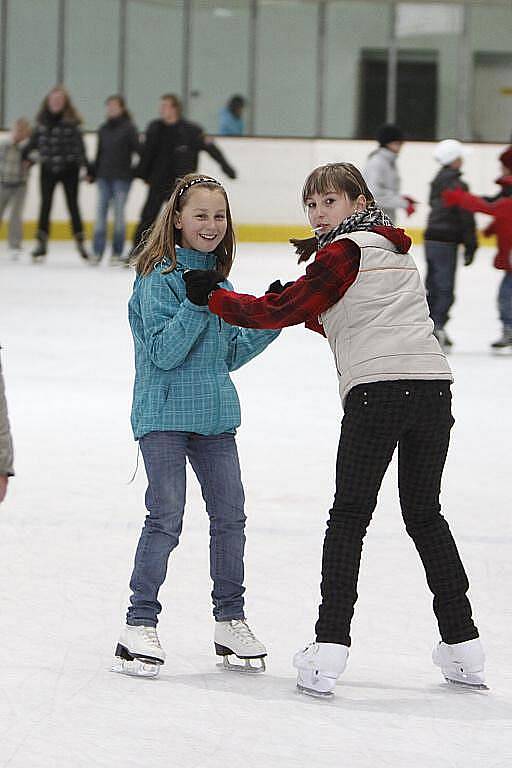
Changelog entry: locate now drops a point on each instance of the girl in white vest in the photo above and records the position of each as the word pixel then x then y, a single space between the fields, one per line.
pixel 364 293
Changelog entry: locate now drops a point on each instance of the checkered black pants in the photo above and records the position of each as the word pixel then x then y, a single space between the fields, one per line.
pixel 416 416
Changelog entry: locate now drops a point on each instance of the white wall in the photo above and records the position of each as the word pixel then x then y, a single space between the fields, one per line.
pixel 272 171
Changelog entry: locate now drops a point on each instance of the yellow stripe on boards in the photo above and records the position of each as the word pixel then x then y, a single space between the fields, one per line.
pixel 245 233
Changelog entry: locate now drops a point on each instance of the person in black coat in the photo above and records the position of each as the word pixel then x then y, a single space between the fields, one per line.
pixel 118 141
pixel 171 150
pixel 447 228
pixel 60 146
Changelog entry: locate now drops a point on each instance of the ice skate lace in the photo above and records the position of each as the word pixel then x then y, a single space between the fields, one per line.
pixel 311 648
pixel 150 636
pixel 242 632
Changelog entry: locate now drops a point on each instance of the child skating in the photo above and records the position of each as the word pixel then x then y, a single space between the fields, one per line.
pixel 185 407
pixel 447 229
pixel 364 293
pixel 59 146
pixel 13 182
pixel 500 208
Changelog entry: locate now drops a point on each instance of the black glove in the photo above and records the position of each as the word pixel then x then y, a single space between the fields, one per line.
pixel 469 255
pixel 200 283
pixel 278 287
pixel 229 170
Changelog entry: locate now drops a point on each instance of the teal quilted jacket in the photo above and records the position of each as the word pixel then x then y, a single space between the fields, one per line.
pixel 183 355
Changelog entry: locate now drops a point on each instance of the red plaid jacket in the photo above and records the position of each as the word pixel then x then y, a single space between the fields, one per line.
pixel 327 279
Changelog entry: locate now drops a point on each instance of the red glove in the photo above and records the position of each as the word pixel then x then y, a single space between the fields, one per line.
pixel 411 204
pixel 452 196
pixel 502 262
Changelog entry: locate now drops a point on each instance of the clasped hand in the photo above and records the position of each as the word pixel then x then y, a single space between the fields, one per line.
pixel 278 287
pixel 199 283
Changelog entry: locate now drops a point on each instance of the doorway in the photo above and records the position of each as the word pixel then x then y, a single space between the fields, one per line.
pixel 416 97
pixel 492 97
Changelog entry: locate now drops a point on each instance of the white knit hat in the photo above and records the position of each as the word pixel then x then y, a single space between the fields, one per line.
pixel 449 150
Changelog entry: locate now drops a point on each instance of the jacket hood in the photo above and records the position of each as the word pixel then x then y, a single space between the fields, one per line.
pixel 386 154
pixel 51 118
pixel 113 122
pixel 448 174
pixel 55 118
pixel 397 236
pixel 191 259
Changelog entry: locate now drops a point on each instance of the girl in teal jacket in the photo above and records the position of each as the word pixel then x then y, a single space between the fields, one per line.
pixel 185 406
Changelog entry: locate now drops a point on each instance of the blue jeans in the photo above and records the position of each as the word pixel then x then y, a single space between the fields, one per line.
pixel 505 301
pixel 440 280
pixel 214 460
pixel 115 191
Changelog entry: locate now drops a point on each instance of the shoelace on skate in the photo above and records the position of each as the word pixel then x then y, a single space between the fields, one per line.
pixel 242 631
pixel 151 636
pixel 311 646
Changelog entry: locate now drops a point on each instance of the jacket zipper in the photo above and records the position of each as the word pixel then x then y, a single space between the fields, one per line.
pixel 217 388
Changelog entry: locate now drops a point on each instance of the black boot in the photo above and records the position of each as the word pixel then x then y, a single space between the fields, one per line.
pixel 41 249
pixel 447 341
pixel 80 240
pixel 505 343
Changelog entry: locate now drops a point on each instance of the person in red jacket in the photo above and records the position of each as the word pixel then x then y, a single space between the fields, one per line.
pixel 500 208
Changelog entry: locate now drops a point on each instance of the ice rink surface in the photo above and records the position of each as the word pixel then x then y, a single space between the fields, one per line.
pixel 71 521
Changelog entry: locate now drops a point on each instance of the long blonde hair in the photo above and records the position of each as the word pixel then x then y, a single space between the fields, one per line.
pixel 161 240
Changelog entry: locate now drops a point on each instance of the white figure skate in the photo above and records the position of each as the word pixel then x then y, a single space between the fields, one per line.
pixel 139 652
pixel 462 664
pixel 235 639
pixel 319 666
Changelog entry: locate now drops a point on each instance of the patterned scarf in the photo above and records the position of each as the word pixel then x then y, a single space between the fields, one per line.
pixel 360 220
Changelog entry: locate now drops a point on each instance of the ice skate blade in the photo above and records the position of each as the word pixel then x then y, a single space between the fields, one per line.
pixel 468 686
pixel 135 667
pixel 138 666
pixel 246 668
pixel 123 653
pixel 314 694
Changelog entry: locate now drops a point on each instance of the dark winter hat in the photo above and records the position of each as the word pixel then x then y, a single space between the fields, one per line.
pixel 506 158
pixel 388 133
pixel 236 102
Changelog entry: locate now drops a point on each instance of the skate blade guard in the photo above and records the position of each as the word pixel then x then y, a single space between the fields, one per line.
pixel 231 661
pixel 137 666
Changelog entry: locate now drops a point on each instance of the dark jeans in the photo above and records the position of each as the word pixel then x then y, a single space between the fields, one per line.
pixel 154 201
pixel 416 416
pixel 505 301
pixel 440 280
pixel 69 180
pixel 214 460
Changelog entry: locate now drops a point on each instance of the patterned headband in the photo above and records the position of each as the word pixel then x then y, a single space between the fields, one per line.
pixel 200 180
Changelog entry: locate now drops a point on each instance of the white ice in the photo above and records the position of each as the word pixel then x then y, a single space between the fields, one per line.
pixel 71 521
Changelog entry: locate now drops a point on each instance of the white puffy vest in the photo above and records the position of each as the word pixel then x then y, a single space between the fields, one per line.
pixel 380 329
